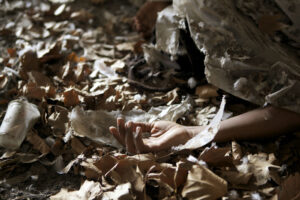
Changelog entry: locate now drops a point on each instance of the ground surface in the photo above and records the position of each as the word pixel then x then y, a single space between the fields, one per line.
pixel 48 56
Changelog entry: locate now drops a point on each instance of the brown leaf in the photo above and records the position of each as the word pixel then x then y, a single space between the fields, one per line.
pixel 237 153
pixel 123 172
pixel 77 146
pixel 206 91
pixel 203 184
pixel 105 163
pixel 71 97
pixel 174 177
pixel 91 171
pixel 58 120
pixel 51 52
pixel 11 52
pixel 236 178
pixel 94 170
pixel 259 165
pixel 39 78
pixel 122 192
pixel 29 62
pixel 38 143
pixel 32 90
pixel 217 156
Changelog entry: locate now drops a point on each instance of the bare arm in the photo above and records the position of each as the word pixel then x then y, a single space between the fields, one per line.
pixel 257 124
pixel 254 125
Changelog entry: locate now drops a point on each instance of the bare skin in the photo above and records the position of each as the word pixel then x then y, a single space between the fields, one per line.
pixel 254 125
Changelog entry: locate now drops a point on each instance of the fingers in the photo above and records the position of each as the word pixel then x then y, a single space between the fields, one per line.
pixel 130 135
pixel 129 139
pixel 116 134
pixel 138 141
pixel 119 132
pixel 145 127
pixel 121 129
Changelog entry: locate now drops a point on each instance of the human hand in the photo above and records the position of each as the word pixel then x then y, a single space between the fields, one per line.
pixel 163 135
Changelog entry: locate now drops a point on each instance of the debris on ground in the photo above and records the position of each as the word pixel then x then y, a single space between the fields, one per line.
pixel 70 68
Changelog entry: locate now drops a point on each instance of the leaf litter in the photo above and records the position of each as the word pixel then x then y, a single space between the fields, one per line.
pixel 65 67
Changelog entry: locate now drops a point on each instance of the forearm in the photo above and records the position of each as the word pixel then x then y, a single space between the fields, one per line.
pixel 258 124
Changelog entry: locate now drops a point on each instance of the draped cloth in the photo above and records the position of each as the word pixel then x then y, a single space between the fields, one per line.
pixel 240 58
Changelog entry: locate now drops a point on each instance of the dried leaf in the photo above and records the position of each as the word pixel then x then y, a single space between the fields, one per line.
pixel 215 156
pixel 32 90
pixel 236 178
pixel 259 165
pixel 124 171
pixel 11 52
pixel 202 184
pixel 207 91
pixel 127 46
pixel 58 120
pixel 77 146
pixel 122 191
pixel 71 97
pixel 39 78
pixel 38 143
pixel 237 153
pixel 105 163
pixel 29 62
pixel 89 190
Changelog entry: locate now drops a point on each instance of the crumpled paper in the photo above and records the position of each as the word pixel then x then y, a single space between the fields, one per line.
pixel 240 58
pixel 94 124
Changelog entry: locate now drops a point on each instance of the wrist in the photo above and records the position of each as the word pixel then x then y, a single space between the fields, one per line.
pixel 194 130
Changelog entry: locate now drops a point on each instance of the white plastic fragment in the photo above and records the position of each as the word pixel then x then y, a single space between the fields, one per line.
pixel 208 134
pixel 19 119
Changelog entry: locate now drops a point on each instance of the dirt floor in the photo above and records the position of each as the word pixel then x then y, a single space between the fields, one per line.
pixel 79 53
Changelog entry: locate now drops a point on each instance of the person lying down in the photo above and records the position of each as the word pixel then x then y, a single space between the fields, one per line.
pixel 243 56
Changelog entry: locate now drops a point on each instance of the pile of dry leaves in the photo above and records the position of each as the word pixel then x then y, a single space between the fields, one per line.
pixel 64 80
